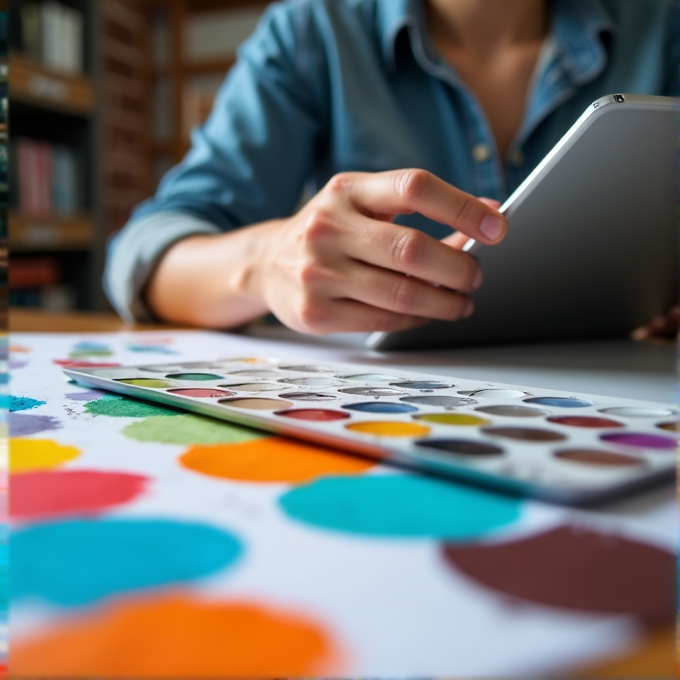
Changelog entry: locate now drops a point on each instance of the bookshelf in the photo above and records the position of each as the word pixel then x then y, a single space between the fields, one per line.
pixel 192 46
pixel 54 214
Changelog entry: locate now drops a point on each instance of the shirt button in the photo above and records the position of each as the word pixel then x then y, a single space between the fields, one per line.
pixel 517 157
pixel 481 152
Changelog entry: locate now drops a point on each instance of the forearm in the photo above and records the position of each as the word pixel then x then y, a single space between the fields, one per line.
pixel 212 280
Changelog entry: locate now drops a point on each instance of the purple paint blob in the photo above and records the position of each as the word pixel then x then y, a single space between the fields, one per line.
pixel 15 364
pixel 89 395
pixel 22 425
pixel 640 440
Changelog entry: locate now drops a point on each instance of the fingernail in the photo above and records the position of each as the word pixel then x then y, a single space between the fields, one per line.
pixel 478 280
pixel 469 308
pixel 491 227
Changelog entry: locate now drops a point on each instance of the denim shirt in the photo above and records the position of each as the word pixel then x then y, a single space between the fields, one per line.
pixel 326 86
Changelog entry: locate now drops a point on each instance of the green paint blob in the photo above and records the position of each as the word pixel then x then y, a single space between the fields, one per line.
pixel 80 353
pixel 146 382
pixel 124 407
pixel 189 429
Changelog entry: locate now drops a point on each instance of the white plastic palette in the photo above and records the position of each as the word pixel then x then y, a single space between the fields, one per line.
pixel 562 447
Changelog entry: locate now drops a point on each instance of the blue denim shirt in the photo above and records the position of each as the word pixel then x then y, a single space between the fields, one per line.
pixel 325 86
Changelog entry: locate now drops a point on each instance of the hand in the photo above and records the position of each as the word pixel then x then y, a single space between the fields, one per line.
pixel 340 264
pixel 664 326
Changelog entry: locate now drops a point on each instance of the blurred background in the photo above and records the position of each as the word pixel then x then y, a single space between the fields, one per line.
pixel 103 95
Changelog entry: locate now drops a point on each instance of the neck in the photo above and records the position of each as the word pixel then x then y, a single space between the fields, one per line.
pixel 484 26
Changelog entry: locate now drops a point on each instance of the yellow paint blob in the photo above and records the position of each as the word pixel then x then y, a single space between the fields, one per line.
pixel 453 419
pixel 147 382
pixel 273 459
pixel 389 429
pixel 26 455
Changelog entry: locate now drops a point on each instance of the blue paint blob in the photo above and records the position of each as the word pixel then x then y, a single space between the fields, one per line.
pixel 82 561
pixel 562 402
pixel 400 507
pixel 380 407
pixel 87 344
pixel 23 403
pixel 156 349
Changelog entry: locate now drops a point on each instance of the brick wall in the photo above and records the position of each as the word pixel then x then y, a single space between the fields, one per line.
pixel 125 126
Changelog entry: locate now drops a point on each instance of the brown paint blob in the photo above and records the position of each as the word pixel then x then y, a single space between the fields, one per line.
pixel 575 569
pixel 255 403
pixel 585 421
pixel 673 426
pixel 525 434
pixel 316 414
pixel 598 457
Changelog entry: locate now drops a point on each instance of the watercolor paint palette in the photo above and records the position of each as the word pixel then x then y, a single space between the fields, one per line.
pixel 562 447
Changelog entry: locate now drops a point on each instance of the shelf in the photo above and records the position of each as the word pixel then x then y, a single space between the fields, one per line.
pixel 33 83
pixel 56 233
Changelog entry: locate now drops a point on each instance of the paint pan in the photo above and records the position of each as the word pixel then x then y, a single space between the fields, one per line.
pixel 195 377
pixel 309 368
pixel 458 419
pixel 372 377
pixel 315 414
pixel 585 421
pixel 389 429
pixel 145 382
pixel 636 412
pixel 425 385
pixel 560 402
pixel 439 400
pixel 462 447
pixel 254 387
pixel 205 393
pixel 598 457
pixel 374 391
pixel 525 434
pixel 381 407
pixel 256 403
pixel 308 396
pixel 312 382
pixel 495 394
pixel 512 411
pixel 256 373
pixel 641 440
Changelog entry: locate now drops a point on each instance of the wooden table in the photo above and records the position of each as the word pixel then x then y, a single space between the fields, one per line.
pixel 655 658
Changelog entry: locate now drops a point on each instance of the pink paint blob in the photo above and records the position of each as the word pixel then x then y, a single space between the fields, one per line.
pixel 74 363
pixel 71 492
pixel 203 393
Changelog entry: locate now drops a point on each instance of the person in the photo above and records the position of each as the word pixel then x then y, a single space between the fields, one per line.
pixel 407 122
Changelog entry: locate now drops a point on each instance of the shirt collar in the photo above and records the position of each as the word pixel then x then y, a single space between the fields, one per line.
pixel 577 28
pixel 577 25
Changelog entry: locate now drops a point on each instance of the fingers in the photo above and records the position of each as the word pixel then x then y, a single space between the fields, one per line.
pixel 404 294
pixel 409 251
pixel 414 190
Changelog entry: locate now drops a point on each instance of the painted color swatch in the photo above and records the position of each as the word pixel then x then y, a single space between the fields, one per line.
pixel 127 407
pixel 24 425
pixel 94 559
pixel 400 506
pixel 389 428
pixel 67 492
pixel 577 569
pixel 178 636
pixel 85 395
pixel 463 447
pixel 188 429
pixel 23 403
pixel 26 455
pixel 273 459
pixel 585 421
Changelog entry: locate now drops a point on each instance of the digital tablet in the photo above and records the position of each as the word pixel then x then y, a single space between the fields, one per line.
pixel 592 243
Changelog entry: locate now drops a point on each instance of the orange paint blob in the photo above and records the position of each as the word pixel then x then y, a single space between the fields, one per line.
pixel 178 636
pixel 270 460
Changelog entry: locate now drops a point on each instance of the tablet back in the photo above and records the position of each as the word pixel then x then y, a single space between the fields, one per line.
pixel 592 244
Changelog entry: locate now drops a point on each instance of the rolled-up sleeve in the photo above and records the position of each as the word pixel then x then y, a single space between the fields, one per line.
pixel 248 163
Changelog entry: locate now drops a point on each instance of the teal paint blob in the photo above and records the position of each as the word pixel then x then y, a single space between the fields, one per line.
pixel 76 563
pixel 23 403
pixel 400 507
